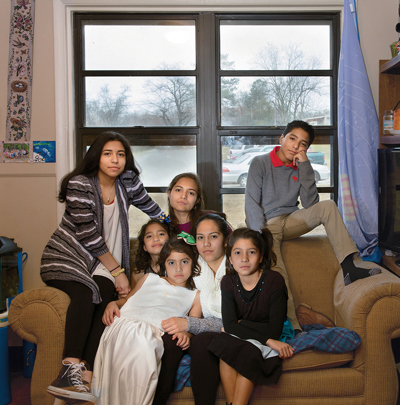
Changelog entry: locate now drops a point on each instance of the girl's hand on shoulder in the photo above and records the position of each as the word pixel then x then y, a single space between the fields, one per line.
pixel 174 325
pixel 285 351
pixel 183 340
pixel 122 285
pixel 110 312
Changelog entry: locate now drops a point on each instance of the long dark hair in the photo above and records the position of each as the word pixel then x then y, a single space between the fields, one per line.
pixel 90 163
pixel 180 246
pixel 142 259
pixel 262 240
pixel 198 207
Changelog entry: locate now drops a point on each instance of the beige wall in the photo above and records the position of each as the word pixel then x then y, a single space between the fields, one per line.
pixel 376 21
pixel 28 192
pixel 27 203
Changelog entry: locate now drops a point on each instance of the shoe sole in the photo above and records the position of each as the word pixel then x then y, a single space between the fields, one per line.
pixel 76 396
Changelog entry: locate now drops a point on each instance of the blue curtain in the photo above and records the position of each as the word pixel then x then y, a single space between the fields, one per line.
pixel 358 143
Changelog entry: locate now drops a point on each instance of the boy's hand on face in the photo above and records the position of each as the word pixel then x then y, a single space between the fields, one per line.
pixel 300 157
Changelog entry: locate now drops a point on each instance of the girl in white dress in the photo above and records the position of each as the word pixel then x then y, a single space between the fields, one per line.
pixel 151 239
pixel 128 360
pixel 212 231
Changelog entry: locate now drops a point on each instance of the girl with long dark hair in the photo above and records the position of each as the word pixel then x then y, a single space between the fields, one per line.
pixel 87 257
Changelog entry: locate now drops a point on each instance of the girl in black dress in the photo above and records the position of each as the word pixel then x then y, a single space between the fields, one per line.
pixel 254 304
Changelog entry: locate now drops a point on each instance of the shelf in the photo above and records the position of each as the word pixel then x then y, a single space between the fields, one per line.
pixel 392 67
pixel 390 140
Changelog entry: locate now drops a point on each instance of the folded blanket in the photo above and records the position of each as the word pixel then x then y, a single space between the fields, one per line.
pixel 182 377
pixel 332 340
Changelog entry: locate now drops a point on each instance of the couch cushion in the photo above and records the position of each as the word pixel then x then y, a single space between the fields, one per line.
pixel 312 360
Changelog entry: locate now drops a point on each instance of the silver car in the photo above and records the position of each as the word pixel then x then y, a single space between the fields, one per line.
pixel 236 171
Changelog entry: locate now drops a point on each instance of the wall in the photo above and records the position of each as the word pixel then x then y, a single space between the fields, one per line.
pixel 28 208
pixel 28 205
pixel 377 21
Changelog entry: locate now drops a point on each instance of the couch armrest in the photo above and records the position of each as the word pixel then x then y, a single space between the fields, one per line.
pixel 371 307
pixel 39 316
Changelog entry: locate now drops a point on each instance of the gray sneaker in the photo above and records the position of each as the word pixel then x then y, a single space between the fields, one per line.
pixel 69 383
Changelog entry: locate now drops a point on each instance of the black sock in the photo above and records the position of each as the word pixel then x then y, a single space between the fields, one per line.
pixel 352 273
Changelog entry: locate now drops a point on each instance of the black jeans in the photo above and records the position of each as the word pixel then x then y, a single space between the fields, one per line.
pixel 204 369
pixel 83 326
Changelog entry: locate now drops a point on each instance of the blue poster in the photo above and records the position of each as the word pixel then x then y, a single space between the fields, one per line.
pixel 44 151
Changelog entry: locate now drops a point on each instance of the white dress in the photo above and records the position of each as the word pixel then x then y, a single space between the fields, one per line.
pixel 128 359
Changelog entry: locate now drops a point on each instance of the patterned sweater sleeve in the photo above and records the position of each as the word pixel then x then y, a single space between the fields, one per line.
pixel 81 215
pixel 198 325
pixel 137 195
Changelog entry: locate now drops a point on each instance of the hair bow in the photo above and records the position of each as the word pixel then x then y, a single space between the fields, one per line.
pixel 164 218
pixel 189 239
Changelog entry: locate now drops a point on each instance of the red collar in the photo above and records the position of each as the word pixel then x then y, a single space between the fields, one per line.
pixel 276 161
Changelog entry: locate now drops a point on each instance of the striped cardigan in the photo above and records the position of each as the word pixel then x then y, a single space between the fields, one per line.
pixel 71 254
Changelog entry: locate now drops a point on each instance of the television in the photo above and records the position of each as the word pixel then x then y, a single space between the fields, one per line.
pixel 389 199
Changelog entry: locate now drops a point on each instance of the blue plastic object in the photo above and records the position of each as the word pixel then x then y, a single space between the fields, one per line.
pixel 5 388
pixel 11 260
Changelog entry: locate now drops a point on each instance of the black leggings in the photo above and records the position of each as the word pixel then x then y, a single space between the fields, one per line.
pixel 83 326
pixel 204 369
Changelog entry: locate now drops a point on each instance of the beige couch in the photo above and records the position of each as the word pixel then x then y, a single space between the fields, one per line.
pixel 371 307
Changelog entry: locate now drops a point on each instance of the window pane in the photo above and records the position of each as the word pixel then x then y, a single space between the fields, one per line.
pixel 265 45
pixel 275 100
pixel 138 218
pixel 238 153
pixel 140 101
pixel 233 207
pixel 160 164
pixel 148 46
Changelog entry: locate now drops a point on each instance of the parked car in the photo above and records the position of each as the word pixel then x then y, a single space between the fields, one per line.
pixel 316 157
pixel 238 149
pixel 236 170
pixel 313 157
pixel 321 172
pixel 261 148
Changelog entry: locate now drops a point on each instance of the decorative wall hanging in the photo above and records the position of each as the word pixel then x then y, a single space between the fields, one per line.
pixel 20 70
pixel 16 152
pixel 44 151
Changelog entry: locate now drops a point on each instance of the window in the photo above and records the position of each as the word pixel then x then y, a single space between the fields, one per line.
pixel 207 92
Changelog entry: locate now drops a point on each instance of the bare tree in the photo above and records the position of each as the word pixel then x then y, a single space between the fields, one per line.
pixel 108 110
pixel 173 99
pixel 228 90
pixel 292 96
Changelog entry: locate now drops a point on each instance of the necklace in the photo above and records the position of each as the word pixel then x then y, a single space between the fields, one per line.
pixel 109 196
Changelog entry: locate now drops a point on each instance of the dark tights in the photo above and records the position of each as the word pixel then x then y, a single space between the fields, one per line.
pixel 204 369
pixel 83 326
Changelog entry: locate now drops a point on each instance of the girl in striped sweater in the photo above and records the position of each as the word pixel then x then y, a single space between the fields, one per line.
pixel 87 257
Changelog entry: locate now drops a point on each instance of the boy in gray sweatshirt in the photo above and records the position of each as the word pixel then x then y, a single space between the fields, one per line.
pixel 274 183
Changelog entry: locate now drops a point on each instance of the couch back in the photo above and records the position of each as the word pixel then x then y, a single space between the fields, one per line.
pixel 312 268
